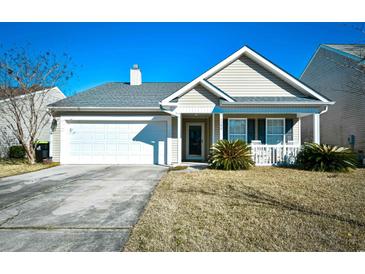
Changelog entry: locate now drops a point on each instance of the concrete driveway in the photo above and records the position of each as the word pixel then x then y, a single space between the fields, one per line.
pixel 74 208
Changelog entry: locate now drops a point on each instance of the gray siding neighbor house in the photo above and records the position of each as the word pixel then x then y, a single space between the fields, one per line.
pixel 338 72
pixel 7 138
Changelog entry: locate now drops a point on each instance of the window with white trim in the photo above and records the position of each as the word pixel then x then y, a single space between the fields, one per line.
pixel 275 131
pixel 237 129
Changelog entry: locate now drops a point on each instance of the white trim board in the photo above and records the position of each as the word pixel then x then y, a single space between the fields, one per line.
pixel 277 103
pixel 215 90
pixel 116 118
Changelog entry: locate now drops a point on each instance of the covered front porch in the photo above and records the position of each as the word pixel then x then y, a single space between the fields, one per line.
pixel 274 137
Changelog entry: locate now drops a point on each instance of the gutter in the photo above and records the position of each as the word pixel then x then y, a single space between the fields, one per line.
pixel 172 113
pixel 105 109
pixel 275 103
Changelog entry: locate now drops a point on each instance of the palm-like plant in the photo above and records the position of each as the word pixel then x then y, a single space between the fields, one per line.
pixel 326 158
pixel 230 155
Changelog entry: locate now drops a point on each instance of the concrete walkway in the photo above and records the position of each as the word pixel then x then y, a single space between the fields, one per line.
pixel 74 208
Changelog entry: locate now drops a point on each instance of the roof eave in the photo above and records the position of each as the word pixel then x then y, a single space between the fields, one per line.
pixel 104 109
pixel 276 103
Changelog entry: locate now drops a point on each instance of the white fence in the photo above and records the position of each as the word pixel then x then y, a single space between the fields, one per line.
pixel 267 155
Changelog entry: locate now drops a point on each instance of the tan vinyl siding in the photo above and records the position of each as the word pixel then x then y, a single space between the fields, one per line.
pixel 198 97
pixel 245 77
pixel 333 75
pixel 56 140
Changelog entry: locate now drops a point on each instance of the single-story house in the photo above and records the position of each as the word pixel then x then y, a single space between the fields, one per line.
pixel 43 98
pixel 245 96
pixel 338 72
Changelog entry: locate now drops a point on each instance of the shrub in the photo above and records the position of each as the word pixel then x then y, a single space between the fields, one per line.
pixel 16 152
pixel 230 155
pixel 326 158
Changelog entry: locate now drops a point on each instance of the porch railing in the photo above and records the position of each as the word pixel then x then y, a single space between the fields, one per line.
pixel 267 155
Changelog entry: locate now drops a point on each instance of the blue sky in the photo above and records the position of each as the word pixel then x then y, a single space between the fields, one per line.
pixel 104 52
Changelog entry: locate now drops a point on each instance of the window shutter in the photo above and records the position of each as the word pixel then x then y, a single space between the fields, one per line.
pixel 225 129
pixel 289 129
pixel 262 130
pixel 251 130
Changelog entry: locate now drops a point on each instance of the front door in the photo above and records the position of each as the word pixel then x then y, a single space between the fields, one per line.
pixel 195 141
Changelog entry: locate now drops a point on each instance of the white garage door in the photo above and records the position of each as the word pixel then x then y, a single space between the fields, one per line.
pixel 117 143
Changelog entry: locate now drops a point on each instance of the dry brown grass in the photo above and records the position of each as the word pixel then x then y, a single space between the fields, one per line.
pixel 263 209
pixel 15 167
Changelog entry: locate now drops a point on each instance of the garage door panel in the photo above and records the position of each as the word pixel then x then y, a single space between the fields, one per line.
pixel 117 143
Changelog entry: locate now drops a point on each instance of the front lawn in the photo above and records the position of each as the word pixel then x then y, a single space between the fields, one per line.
pixel 263 209
pixel 15 167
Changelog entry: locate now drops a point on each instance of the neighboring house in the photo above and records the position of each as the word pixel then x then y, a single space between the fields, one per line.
pixel 7 139
pixel 338 72
pixel 243 97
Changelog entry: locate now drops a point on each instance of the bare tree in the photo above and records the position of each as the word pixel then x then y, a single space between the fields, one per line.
pixel 25 81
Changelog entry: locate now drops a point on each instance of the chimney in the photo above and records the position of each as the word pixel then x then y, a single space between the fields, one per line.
pixel 136 76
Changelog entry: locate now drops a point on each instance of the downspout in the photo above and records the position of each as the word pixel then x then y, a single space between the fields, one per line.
pixel 324 111
pixel 172 113
pixel 316 126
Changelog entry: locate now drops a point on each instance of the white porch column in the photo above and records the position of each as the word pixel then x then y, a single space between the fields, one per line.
pixel 300 131
pixel 316 128
pixel 213 129
pixel 220 126
pixel 179 149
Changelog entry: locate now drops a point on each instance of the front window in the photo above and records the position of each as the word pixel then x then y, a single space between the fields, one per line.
pixel 275 131
pixel 237 129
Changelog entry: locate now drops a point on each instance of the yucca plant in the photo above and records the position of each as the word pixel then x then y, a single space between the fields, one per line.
pixel 326 158
pixel 230 155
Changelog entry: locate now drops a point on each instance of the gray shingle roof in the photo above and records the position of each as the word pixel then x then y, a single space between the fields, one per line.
pixel 273 99
pixel 353 49
pixel 117 94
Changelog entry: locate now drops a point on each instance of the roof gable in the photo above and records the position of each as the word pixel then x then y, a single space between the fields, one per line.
pixel 245 77
pixel 249 53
